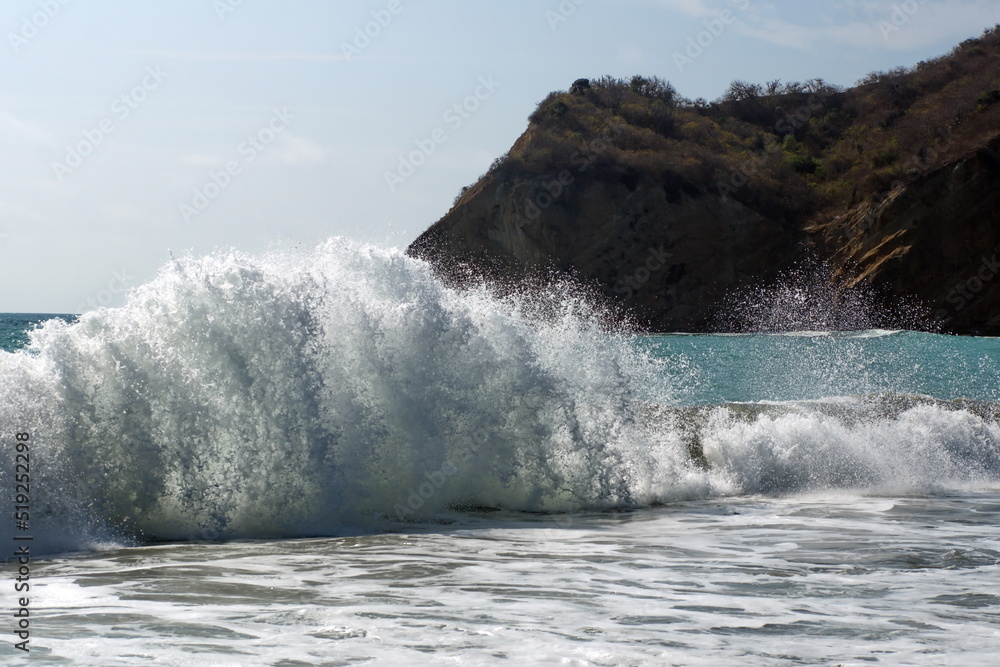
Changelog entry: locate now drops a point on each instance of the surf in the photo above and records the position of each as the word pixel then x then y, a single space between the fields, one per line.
pixel 346 388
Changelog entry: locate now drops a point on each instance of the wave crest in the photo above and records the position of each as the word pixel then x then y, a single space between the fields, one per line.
pixel 292 395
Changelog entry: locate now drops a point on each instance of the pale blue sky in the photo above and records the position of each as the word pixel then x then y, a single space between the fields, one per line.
pixel 183 85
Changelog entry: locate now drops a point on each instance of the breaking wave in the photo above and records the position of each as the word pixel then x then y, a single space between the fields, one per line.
pixel 347 388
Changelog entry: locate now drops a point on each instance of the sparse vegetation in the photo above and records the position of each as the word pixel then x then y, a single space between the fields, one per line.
pixel 790 150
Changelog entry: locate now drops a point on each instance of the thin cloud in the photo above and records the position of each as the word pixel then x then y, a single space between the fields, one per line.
pixel 287 149
pixel 874 24
pixel 294 150
pixel 782 33
pixel 630 53
pixel 10 211
pixel 696 8
pixel 200 159
pixel 267 57
pixel 17 132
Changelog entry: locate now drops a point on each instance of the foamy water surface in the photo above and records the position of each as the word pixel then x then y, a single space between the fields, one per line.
pixel 807 580
pixel 331 458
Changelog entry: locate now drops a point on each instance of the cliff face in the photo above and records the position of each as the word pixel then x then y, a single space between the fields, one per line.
pixel 670 207
pixel 672 260
pixel 937 239
pixel 669 260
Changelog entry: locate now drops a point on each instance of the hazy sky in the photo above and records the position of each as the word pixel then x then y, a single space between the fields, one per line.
pixel 128 129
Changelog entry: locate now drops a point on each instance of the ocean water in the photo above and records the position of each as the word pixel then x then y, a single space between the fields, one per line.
pixel 329 458
pixel 15 327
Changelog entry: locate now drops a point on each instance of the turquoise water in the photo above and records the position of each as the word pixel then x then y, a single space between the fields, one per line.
pixel 814 365
pixel 14 328
pixel 781 367
pixel 331 458
pixel 244 396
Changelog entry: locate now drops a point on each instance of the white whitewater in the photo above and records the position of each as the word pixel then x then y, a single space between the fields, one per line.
pixel 347 389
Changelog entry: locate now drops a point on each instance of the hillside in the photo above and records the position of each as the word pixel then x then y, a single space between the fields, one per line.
pixel 670 206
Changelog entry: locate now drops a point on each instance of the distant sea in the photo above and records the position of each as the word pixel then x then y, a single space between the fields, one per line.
pixel 14 327
pixel 331 458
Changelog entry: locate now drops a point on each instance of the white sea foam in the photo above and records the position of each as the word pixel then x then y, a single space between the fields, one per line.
pixel 819 580
pixel 346 388
pixel 926 448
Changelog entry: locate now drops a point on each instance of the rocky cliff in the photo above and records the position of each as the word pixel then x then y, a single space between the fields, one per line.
pixel 937 239
pixel 669 207
pixel 669 260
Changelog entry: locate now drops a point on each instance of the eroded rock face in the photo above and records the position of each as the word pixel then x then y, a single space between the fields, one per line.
pixel 937 239
pixel 668 260
pixel 670 255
